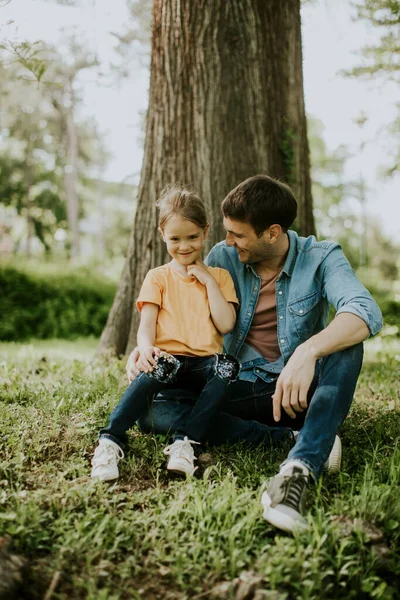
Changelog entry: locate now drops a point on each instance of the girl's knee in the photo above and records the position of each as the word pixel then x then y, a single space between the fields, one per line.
pixel 227 367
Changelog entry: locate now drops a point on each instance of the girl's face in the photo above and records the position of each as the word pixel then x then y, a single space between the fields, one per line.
pixel 184 239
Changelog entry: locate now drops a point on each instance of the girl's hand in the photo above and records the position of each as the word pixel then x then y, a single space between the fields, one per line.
pixel 200 272
pixel 146 361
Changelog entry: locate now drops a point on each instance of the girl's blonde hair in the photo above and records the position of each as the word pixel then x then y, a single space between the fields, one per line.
pixel 181 201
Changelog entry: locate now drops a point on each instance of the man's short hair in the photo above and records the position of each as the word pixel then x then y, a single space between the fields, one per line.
pixel 261 201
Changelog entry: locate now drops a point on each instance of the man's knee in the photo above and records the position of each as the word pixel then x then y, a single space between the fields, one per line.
pixel 353 356
pixel 226 367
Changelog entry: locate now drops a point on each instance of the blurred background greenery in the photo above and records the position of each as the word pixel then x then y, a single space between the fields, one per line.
pixel 64 226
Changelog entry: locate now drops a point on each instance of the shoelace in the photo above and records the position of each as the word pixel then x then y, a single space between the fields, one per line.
pixel 294 485
pixel 181 448
pixel 105 454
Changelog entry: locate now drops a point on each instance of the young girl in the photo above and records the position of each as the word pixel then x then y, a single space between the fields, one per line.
pixel 186 307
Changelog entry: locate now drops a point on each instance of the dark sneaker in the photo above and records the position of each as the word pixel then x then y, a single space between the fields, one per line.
pixel 283 502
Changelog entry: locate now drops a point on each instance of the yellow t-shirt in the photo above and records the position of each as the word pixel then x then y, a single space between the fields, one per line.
pixel 184 323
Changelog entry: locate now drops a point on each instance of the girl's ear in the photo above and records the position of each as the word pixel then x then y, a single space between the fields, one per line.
pixel 160 231
pixel 206 230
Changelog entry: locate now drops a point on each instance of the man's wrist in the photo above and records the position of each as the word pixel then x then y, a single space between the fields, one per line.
pixel 311 348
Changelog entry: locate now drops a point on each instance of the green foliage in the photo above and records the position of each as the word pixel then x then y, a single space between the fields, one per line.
pixel 335 216
pixel 382 59
pixel 63 305
pixel 151 537
pixel 391 311
pixel 28 56
pixel 37 157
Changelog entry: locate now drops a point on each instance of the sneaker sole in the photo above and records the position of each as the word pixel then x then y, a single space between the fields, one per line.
pixel 281 520
pixel 105 478
pixel 180 468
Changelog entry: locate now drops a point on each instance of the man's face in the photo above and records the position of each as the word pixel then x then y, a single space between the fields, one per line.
pixel 250 247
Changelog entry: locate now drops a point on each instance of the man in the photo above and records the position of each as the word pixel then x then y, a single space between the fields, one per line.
pixel 297 372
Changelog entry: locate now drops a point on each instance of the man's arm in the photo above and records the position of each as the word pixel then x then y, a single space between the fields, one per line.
pixel 146 336
pixel 357 317
pixel 293 384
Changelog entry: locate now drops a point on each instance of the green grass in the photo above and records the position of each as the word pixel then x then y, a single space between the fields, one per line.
pixel 152 538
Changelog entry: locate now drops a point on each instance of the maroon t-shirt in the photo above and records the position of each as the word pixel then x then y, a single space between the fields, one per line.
pixel 263 333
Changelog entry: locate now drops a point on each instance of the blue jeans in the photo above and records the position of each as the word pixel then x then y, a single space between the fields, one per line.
pixel 208 377
pixel 247 411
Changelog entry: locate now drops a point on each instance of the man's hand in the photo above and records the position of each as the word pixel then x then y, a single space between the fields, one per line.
pixel 141 360
pixel 146 361
pixel 294 382
pixel 131 366
pixel 199 271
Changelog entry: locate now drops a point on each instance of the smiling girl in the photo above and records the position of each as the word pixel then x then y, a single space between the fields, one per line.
pixel 186 308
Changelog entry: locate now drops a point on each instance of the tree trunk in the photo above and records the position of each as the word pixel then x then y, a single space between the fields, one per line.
pixel 226 102
pixel 71 180
pixel 28 180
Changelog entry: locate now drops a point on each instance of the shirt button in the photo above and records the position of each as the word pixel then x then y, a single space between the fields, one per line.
pixel 255 288
pixel 249 314
pixel 280 292
pixel 282 341
pixel 281 317
pixel 301 311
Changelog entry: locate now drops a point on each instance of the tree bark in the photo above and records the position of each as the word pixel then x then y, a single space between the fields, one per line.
pixel 71 180
pixel 226 102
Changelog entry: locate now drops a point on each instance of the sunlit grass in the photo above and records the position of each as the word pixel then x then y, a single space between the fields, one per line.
pixel 150 537
pixel 81 349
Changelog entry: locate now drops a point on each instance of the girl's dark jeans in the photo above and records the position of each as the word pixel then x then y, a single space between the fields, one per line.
pixel 208 376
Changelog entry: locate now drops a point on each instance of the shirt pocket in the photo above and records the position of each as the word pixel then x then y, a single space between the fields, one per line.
pixel 304 314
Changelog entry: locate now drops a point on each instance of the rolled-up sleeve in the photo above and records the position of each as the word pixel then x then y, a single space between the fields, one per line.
pixel 345 292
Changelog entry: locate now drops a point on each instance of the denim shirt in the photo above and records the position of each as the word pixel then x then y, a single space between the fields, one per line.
pixel 315 275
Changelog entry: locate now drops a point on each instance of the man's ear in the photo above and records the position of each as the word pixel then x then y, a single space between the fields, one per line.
pixel 160 231
pixel 274 233
pixel 206 230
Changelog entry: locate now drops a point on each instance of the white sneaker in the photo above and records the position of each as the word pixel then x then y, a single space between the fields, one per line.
pixel 182 456
pixel 105 460
pixel 334 459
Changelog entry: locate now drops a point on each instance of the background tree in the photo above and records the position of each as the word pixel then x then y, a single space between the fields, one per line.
pixel 382 60
pixel 336 202
pixel 226 102
pixel 62 90
pixel 46 143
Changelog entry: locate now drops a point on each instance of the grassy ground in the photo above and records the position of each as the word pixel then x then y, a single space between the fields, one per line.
pixel 152 538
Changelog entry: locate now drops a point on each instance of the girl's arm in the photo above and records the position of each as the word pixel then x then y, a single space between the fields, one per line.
pixel 223 313
pixel 146 336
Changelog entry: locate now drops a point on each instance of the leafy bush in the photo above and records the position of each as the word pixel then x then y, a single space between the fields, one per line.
pixel 62 305
pixel 391 312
